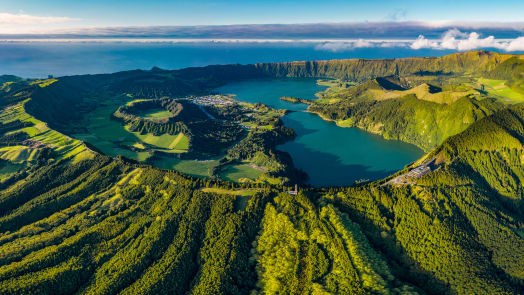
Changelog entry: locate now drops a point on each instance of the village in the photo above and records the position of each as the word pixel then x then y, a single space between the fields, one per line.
pixel 210 100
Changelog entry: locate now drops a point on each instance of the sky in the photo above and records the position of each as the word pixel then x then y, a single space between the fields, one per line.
pixel 20 16
pixel 437 24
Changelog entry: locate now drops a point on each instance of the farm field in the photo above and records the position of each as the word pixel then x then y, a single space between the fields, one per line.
pixel 113 138
pixel 237 172
pixel 18 154
pixel 191 167
pixel 63 145
pixel 499 89
pixel 178 142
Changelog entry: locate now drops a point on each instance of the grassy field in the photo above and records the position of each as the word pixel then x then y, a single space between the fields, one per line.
pixel 191 167
pixel 499 89
pixel 236 172
pixel 7 168
pixel 44 83
pixel 63 145
pixel 111 137
pixel 178 142
pixel 345 123
pixel 18 154
pixel 241 192
pixel 155 113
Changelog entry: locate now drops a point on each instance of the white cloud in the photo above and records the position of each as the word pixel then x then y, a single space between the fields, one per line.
pixel 422 42
pixel 343 45
pixel 452 39
pixel 360 43
pixel 457 40
pixel 516 44
pixel 338 46
pixel 26 19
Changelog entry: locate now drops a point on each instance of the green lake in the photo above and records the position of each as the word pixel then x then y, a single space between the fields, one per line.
pixel 330 155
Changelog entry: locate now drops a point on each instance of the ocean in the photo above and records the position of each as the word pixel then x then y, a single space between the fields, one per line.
pixel 40 59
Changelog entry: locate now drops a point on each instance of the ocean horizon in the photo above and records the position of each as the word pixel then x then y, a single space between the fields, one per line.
pixel 40 59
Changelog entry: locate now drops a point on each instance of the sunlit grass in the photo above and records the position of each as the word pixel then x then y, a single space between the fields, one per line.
pixel 237 172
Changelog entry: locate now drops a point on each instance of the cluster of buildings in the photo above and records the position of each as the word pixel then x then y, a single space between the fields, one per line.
pixel 34 144
pixel 415 173
pixel 210 100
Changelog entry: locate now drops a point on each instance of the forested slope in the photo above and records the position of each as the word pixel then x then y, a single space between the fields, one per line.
pixel 73 221
pixel 478 62
pixel 107 226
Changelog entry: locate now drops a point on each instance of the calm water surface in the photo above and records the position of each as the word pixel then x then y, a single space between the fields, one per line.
pixel 36 60
pixel 330 155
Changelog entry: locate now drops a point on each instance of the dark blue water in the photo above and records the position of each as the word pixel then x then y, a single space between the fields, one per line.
pixel 330 155
pixel 269 91
pixel 36 60
pixel 335 156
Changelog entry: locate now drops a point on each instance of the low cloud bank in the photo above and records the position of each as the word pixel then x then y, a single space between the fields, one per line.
pixel 453 39
pixel 457 40
pixel 348 31
pixel 339 46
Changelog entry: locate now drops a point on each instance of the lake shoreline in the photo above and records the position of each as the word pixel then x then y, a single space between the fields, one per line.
pixel 330 154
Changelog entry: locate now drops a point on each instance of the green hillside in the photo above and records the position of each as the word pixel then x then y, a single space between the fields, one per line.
pixel 418 103
pixel 476 63
pixel 104 226
pixel 409 118
pixel 76 219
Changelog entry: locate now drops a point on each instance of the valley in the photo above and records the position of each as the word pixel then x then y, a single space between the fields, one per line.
pixel 330 155
pixel 177 181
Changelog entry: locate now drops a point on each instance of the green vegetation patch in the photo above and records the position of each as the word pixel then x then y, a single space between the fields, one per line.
pixel 44 83
pixel 239 171
pixel 499 89
pixel 223 191
pixel 190 167
pixel 7 168
pixel 165 141
pixel 18 154
pixel 154 113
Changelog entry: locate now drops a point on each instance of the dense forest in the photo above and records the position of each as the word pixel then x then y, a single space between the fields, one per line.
pixel 76 221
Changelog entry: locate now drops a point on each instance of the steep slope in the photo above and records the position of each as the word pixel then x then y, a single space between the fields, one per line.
pixel 408 118
pixel 76 222
pixel 478 63
pixel 106 226
pixel 418 100
pixel 459 226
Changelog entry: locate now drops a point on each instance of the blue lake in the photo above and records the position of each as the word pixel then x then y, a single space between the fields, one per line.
pixel 330 155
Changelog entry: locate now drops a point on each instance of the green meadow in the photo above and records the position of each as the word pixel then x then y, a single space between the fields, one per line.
pixel 224 191
pixel 499 89
pixel 18 154
pixel 113 138
pixel 155 113
pixel 63 145
pixel 237 172
pixel 7 168
pixel 190 167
